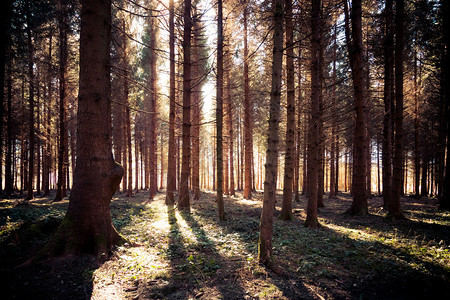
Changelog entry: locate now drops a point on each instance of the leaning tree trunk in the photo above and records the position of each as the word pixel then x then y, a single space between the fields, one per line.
pixel 87 226
pixel 355 50
pixel 286 212
pixel 266 224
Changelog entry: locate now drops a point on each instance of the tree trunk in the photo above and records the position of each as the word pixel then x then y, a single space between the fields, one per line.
pixel 184 201
pixel 387 120
pixel 230 128
pixel 219 113
pixel 355 50
pixel 248 145
pixel 266 224
pixel 444 202
pixel 333 158
pixel 397 183
pixel 314 128
pixel 63 91
pixel 87 226
pixel 171 153
pixel 299 124
pixel 286 211
pixel 31 133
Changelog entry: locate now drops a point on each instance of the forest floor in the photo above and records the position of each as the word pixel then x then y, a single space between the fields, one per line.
pixel 188 256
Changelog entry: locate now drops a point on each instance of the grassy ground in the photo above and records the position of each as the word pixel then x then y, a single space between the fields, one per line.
pixel 184 256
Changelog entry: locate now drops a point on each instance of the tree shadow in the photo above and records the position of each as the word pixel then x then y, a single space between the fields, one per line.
pixel 222 268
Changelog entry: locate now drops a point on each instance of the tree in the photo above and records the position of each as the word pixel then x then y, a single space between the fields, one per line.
pixel 355 54
pixel 397 183
pixel 63 91
pixel 171 162
pixel 286 212
pixel 444 202
pixel 184 201
pixel 31 132
pixel 87 226
pixel 248 138
pixel 266 224
pixel 387 96
pixel 219 112
pixel 314 128
pixel 5 24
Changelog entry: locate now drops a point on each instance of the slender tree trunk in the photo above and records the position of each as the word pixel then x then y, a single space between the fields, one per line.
pixel 248 146
pixel 5 26
pixel 230 129
pixel 397 183
pixel 387 120
pixel 219 113
pixel 298 131
pixel 31 133
pixel 333 159
pixel 87 226
pixel 266 224
pixel 314 127
pixel 286 211
pixel 355 49
pixel 62 168
pixel 171 153
pixel 416 132
pixel 184 201
pixel 10 145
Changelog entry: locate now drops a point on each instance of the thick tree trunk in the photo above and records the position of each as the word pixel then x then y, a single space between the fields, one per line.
pixel 248 138
pixel 87 227
pixel 184 201
pixel 314 128
pixel 355 49
pixel 286 211
pixel 397 182
pixel 266 224
pixel 444 202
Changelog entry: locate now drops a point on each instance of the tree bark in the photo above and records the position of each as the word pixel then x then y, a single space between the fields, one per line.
pixel 62 167
pixel 219 113
pixel 286 211
pixel 87 226
pixel 387 128
pixel 444 202
pixel 248 138
pixel 266 224
pixel 314 128
pixel 171 153
pixel 397 183
pixel 359 204
pixel 31 133
pixel 184 201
